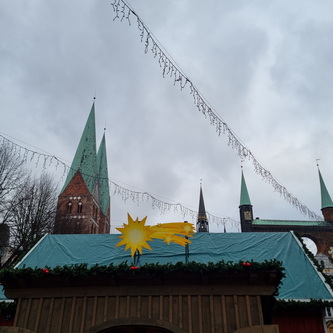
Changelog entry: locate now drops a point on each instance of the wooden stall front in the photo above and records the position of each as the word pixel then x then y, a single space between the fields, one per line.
pixel 181 303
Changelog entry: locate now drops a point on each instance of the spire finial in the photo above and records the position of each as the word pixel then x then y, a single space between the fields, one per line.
pixel 105 127
pixel 318 159
pixel 242 164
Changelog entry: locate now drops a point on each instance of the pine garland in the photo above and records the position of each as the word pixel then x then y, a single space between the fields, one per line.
pixel 82 271
pixel 313 304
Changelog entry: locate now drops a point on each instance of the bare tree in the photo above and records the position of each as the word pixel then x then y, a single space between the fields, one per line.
pixel 4 240
pixel 31 211
pixel 27 204
pixel 11 175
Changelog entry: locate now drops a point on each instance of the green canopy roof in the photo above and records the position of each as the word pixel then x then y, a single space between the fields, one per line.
pixel 302 281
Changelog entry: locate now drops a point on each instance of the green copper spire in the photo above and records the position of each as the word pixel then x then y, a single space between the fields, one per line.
pixel 244 197
pixel 102 174
pixel 326 200
pixel 85 156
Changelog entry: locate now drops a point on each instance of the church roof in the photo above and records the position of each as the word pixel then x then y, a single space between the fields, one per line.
pixel 85 156
pixel 244 196
pixel 326 200
pixel 102 176
pixel 292 223
pixel 302 281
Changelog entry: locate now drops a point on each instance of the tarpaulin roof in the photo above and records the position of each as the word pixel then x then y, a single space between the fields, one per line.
pixel 302 281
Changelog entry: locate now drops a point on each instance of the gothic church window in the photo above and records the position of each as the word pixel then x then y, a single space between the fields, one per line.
pixel 69 208
pixel 79 207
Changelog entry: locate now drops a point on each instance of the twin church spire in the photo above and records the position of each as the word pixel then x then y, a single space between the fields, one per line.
pixel 85 155
pixel 84 201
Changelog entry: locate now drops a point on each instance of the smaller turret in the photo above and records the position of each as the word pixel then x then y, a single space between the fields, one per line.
pixel 245 208
pixel 326 201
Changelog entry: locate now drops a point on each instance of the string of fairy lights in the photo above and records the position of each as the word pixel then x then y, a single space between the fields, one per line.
pixel 47 161
pixel 169 68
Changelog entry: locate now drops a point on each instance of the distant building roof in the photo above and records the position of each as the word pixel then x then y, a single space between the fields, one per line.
pixel 291 223
pixel 302 281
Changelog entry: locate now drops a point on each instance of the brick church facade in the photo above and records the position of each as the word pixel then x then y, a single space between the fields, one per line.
pixel 84 202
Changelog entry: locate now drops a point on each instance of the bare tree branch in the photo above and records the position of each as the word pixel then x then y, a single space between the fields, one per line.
pixel 32 211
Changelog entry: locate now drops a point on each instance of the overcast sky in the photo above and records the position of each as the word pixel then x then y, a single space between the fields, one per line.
pixel 265 67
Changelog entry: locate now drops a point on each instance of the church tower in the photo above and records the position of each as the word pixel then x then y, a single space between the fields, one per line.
pixel 245 208
pixel 84 201
pixel 326 201
pixel 202 221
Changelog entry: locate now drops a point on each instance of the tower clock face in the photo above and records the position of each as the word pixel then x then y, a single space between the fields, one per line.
pixel 247 216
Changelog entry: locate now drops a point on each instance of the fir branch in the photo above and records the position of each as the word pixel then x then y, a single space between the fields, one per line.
pixel 84 271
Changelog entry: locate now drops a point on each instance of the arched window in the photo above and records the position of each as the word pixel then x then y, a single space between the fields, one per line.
pixel 79 207
pixel 94 212
pixel 69 208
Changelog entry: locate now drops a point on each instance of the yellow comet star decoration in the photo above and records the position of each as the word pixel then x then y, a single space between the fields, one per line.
pixel 136 234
